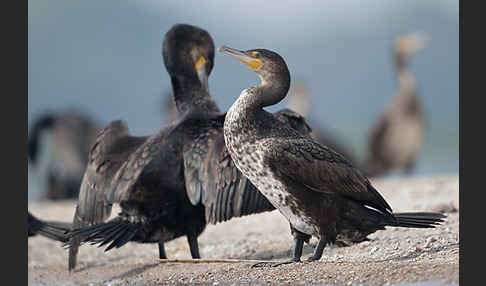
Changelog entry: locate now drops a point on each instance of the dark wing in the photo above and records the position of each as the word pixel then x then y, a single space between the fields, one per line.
pixel 320 169
pixel 211 176
pixel 157 149
pixel 294 120
pixel 108 153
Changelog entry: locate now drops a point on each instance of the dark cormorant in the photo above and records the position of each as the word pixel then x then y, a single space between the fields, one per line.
pixel 50 229
pixel 173 183
pixel 58 147
pixel 317 190
pixel 300 102
pixel 397 136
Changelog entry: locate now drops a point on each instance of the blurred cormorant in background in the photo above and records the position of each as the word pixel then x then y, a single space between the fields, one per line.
pixel 58 147
pixel 397 136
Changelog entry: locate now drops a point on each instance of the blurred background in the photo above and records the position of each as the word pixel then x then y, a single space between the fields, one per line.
pixel 103 58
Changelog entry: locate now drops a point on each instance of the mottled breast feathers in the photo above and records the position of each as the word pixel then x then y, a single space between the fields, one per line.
pixel 210 175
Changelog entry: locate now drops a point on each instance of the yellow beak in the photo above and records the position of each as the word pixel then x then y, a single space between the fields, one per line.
pixel 248 60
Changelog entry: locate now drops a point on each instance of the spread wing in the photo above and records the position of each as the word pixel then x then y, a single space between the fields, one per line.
pixel 320 169
pixel 108 153
pixel 211 176
pixel 116 163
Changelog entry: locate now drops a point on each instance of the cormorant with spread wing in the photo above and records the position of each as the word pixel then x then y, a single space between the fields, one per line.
pixel 173 183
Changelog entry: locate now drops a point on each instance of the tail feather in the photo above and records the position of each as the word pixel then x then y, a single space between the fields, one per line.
pixel 97 234
pixel 124 237
pixel 116 232
pixel 53 230
pixel 113 236
pixel 418 219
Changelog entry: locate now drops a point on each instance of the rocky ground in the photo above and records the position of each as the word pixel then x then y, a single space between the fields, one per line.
pixel 393 256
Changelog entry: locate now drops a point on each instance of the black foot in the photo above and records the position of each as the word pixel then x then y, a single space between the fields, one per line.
pixel 274 264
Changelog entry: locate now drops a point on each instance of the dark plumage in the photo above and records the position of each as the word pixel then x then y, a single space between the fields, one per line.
pixel 58 147
pixel 50 229
pixel 397 136
pixel 315 188
pixel 173 183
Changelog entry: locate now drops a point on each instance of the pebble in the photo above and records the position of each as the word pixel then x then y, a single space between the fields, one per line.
pixel 429 241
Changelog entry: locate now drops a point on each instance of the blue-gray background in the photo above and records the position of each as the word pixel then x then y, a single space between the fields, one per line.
pixel 104 57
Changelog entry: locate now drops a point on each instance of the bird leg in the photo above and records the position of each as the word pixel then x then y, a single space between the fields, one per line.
pixel 318 250
pixel 162 254
pixel 193 246
pixel 297 253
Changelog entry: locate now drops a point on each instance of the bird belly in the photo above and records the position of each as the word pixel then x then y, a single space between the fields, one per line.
pixel 275 192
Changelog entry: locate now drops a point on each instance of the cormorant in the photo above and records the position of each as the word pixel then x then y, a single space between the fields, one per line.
pixel 58 147
pixel 397 136
pixel 300 102
pixel 173 183
pixel 50 229
pixel 317 190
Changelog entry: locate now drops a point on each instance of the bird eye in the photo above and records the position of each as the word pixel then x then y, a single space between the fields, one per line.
pixel 256 55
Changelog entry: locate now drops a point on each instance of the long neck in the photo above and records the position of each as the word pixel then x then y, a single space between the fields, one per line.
pixel 272 90
pixel 406 81
pixel 247 111
pixel 189 93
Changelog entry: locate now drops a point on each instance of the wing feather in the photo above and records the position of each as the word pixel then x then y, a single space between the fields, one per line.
pixel 321 169
pixel 110 150
pixel 212 178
